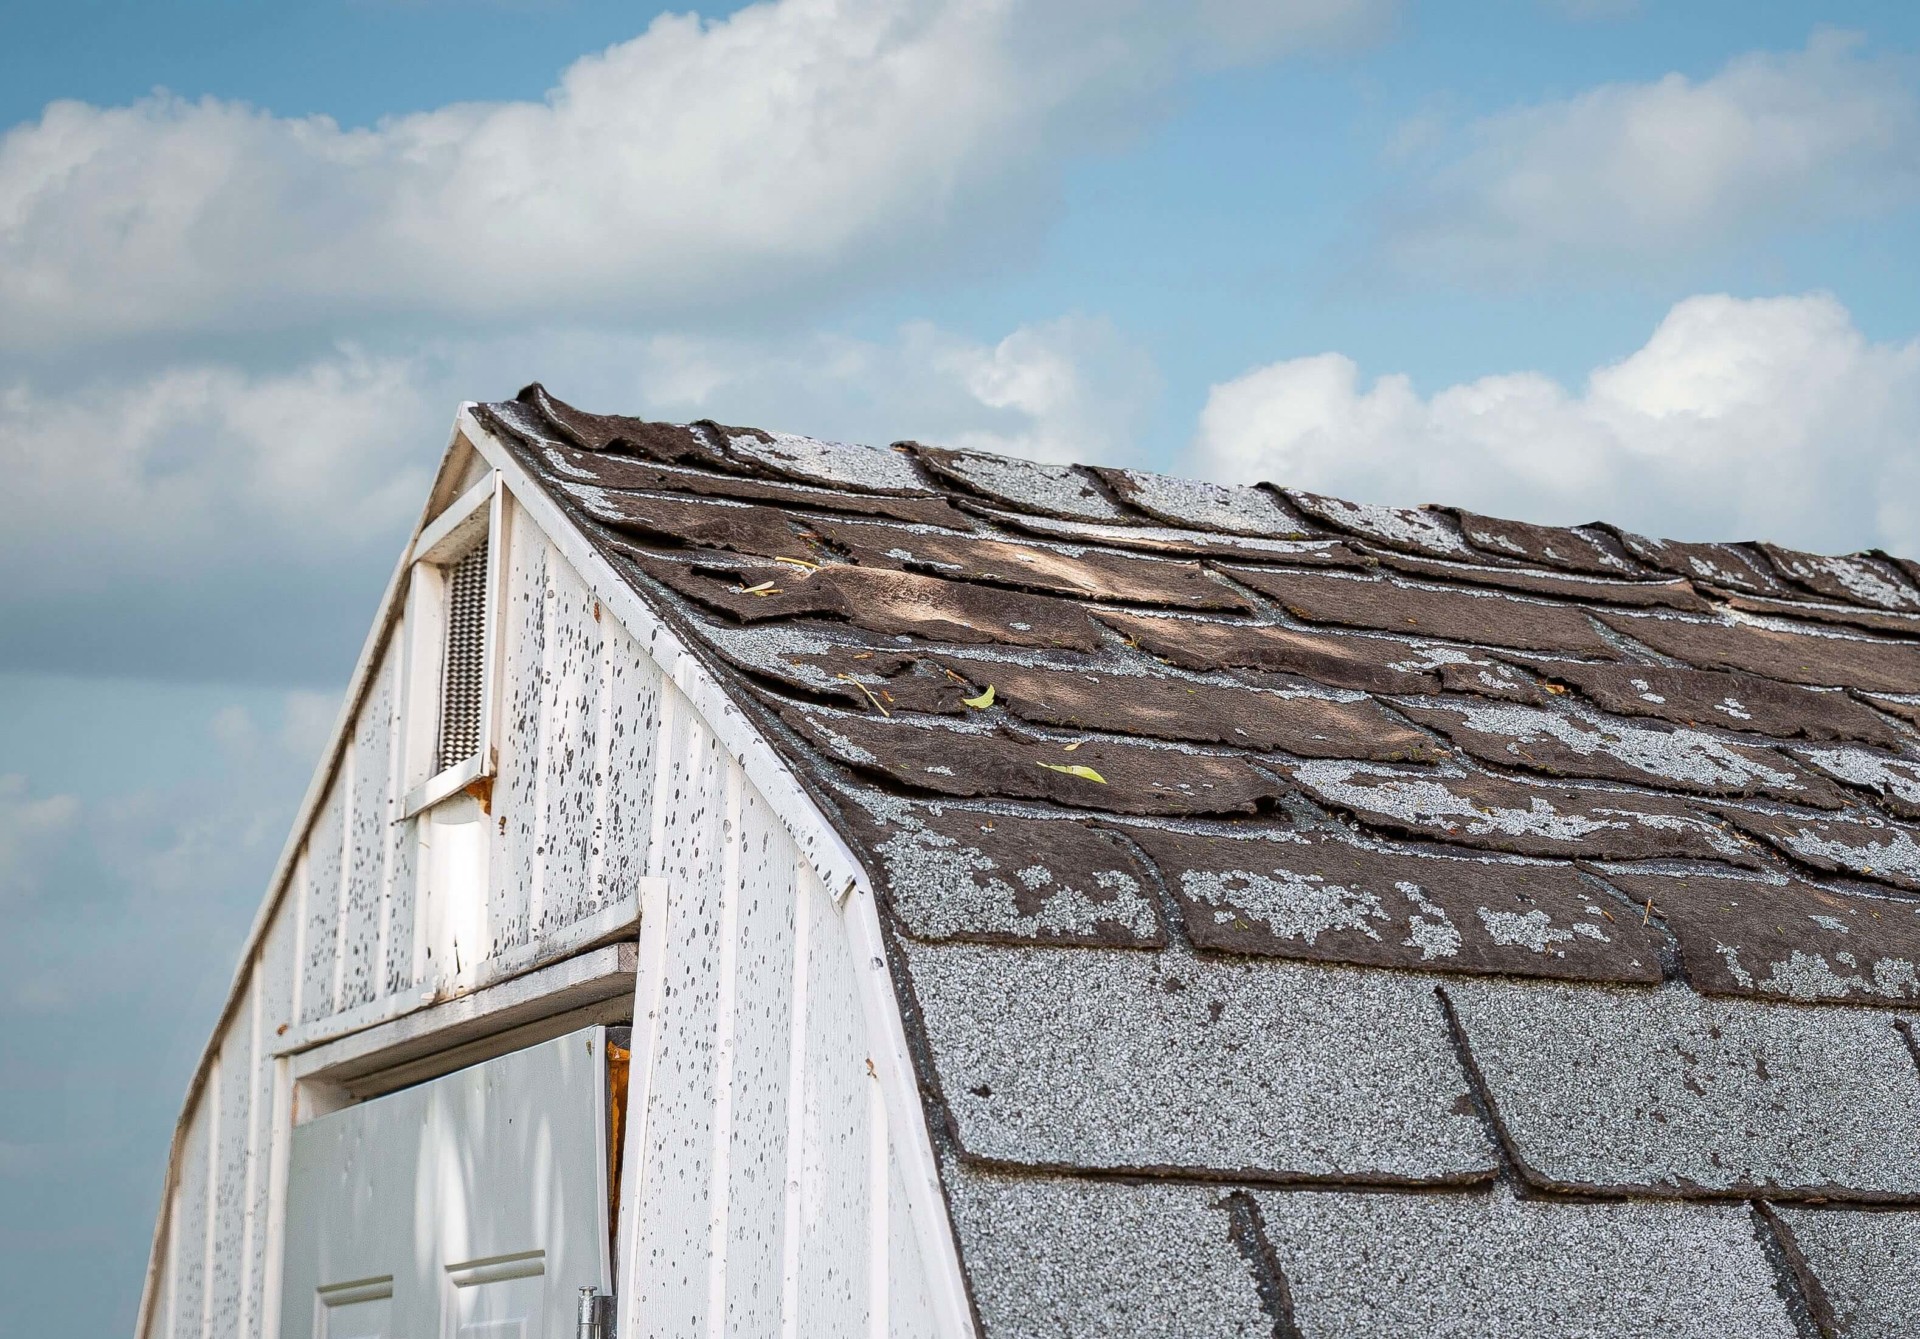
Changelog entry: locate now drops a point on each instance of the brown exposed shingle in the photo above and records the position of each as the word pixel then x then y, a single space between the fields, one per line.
pixel 1117 777
pixel 1572 744
pixel 1722 698
pixel 881 601
pixel 1369 664
pixel 1788 940
pixel 1727 565
pixel 1311 895
pixel 1534 819
pixel 1796 657
pixel 1885 852
pixel 1855 578
pixel 1090 574
pixel 1204 713
pixel 1485 619
pixel 1673 594
pixel 1593 551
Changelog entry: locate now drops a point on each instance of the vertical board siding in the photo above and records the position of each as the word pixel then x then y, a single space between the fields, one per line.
pixel 762 1008
pixel 190 1228
pixel 318 974
pixel 369 810
pixel 629 740
pixel 569 730
pixel 767 1200
pixel 226 1265
pixel 516 867
pixel 834 1159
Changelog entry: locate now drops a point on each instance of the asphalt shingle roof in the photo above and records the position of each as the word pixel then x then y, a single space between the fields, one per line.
pixel 1317 918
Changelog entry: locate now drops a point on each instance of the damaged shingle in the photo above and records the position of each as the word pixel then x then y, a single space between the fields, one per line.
pixel 1312 895
pixel 953 873
pixel 1237 510
pixel 1122 778
pixel 1090 574
pixel 1577 744
pixel 1874 666
pixel 1365 663
pixel 1870 848
pixel 1425 611
pixel 1310 725
pixel 1414 530
pixel 1532 819
pixel 1787 940
pixel 1064 491
pixel 1730 700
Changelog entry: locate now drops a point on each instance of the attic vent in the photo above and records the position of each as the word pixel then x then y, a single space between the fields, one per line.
pixel 464 661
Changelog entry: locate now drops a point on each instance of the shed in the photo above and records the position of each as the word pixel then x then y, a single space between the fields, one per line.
pixel 797 888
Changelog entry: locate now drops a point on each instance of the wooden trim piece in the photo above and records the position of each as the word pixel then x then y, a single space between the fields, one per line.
pixel 451 533
pixel 450 1036
pixel 618 921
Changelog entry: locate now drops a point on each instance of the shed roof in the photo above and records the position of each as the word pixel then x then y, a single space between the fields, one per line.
pixel 1321 918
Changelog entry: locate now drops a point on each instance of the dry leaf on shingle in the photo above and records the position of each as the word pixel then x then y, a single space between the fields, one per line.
pixel 1075 769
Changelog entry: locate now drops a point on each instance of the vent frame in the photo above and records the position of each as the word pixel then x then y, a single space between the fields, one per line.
pixel 452 648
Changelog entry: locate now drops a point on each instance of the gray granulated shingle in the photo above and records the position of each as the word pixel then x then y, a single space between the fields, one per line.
pixel 1667 1092
pixel 1868 1265
pixel 1081 1259
pixel 1383 1265
pixel 1109 1059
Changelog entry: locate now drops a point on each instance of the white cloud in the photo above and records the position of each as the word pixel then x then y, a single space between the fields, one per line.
pixel 1638 174
pixel 792 145
pixel 30 828
pixel 197 518
pixel 1770 418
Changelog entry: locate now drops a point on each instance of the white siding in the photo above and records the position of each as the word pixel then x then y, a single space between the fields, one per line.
pixel 764 1205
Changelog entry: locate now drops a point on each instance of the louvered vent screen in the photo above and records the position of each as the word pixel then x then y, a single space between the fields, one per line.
pixel 465 658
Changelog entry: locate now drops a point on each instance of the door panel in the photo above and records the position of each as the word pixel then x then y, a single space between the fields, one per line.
pixel 471 1207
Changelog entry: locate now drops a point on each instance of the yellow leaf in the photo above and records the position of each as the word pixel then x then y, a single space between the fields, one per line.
pixel 982 702
pixel 1075 769
pixel 1074 745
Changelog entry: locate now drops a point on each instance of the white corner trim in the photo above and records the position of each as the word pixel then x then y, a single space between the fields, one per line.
pixel 840 871
pixel 443 538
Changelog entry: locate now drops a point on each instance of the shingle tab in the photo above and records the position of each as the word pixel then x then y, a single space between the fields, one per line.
pixel 1868 1266
pixel 1313 895
pixel 954 873
pixel 1105 1059
pixel 1420 1266
pixel 1732 701
pixel 1495 814
pixel 1480 617
pixel 1309 724
pixel 1785 940
pixel 1566 743
pixel 1592 552
pixel 880 601
pixel 1826 661
pixel 1894 780
pixel 1658 594
pixel 1205 506
pixel 1414 529
pixel 1666 1092
pixel 1065 491
pixel 1885 852
pixel 1369 664
pixel 1087 574
pixel 1856 578
pixel 1126 778
pixel 1731 566
pixel 1056 1259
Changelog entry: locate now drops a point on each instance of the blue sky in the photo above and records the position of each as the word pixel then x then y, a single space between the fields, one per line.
pixel 1560 259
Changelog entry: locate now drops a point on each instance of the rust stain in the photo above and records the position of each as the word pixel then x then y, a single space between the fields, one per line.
pixel 481 788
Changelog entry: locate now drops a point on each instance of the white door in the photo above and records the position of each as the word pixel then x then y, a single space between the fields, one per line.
pixel 471 1207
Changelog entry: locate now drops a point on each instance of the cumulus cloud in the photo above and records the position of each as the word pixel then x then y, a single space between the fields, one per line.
pixel 703 164
pixel 204 520
pixel 1637 174
pixel 1771 418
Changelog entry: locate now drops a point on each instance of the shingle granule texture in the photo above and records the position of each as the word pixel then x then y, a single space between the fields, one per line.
pixel 1868 1266
pixel 1384 1265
